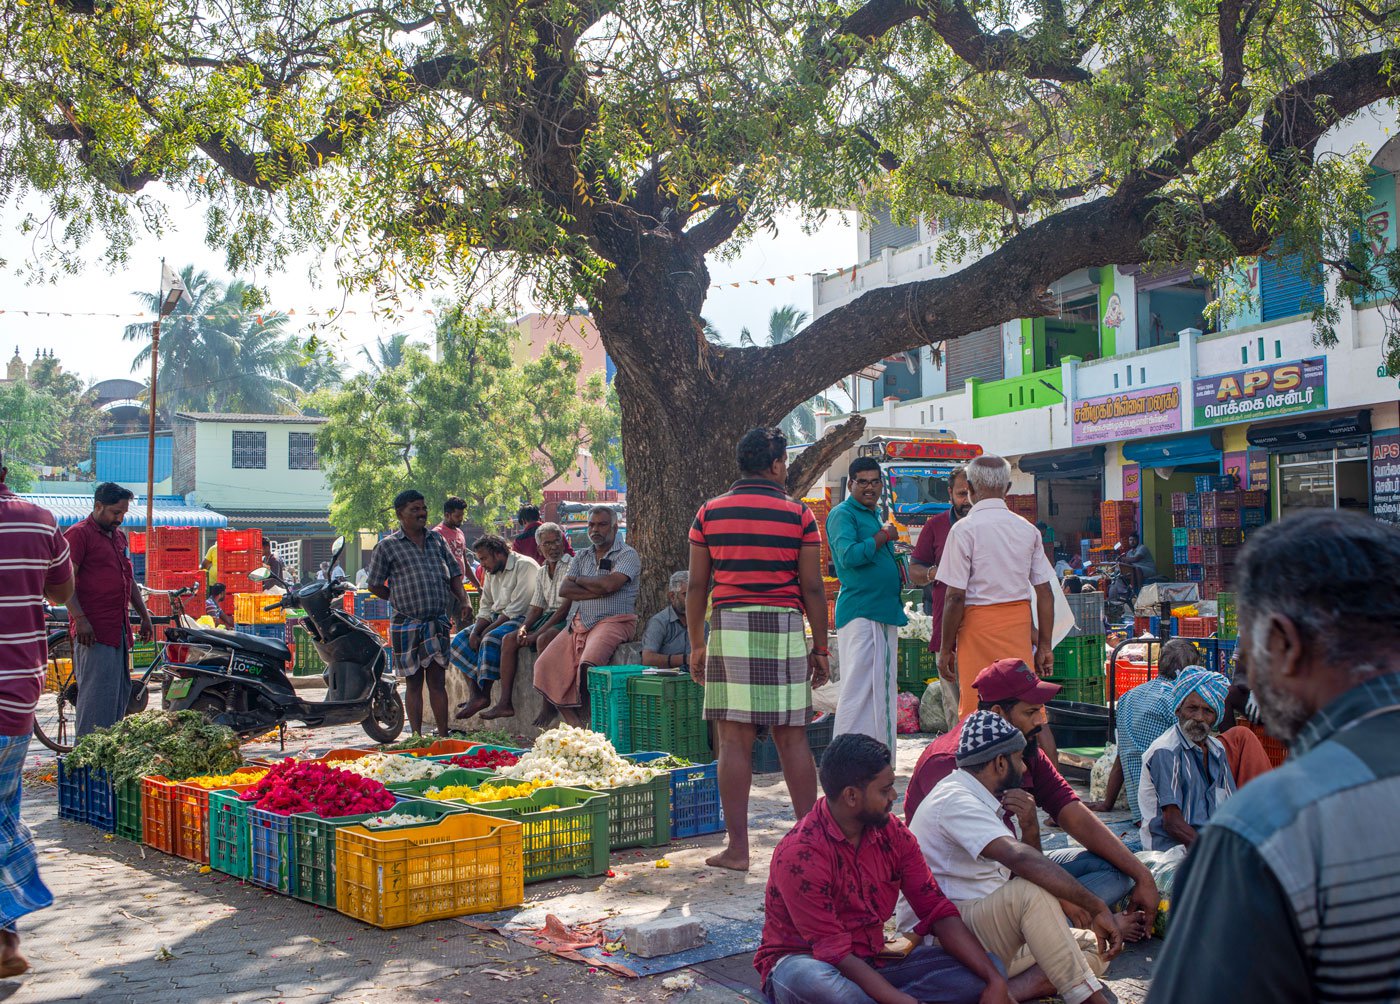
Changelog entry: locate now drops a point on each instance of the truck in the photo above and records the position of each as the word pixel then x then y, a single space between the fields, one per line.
pixel 916 472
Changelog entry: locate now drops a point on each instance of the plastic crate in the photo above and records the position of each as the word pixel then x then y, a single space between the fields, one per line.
pixel 1250 518
pixel 273 632
pixel 157 817
pixel 1080 690
pixel 1080 658
pixel 313 837
pixel 467 863
pixel 610 707
pixel 306 660
pixel 695 804
pixel 161 537
pixel 1194 573
pixel 1178 502
pixel 915 665
pixel 1193 518
pixel 1215 483
pixel 1129 675
pixel 564 831
pixel 273 860
pixel 448 778
pixel 765 751
pixel 1197 627
pixel 126 798
pixel 237 583
pixel 143 653
pixel 1179 536
pixel 452 747
pixel 138 566
pixel 1088 614
pixel 241 562
pixel 230 837
pixel 367 606
pixel 189 813
pixel 668 713
pixel 239 540
pixel 136 542
pixel 1227 624
pixel 248 609
pixel 1181 554
pixel 173 559
pixel 1274 749
pixel 72 793
pixel 1221 518
pixel 639 815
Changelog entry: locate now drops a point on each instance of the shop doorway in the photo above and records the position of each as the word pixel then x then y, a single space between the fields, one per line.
pixel 1158 484
pixel 1070 507
pixel 1330 478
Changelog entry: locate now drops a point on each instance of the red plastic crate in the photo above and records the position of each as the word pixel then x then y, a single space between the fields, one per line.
pixel 1274 749
pixel 241 562
pixel 1193 554
pixel 136 542
pixel 172 559
pixel 238 582
pixel 1196 627
pixel 240 540
pixel 163 537
pixel 1128 675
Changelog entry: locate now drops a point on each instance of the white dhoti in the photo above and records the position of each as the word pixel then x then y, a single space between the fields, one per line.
pixel 868 680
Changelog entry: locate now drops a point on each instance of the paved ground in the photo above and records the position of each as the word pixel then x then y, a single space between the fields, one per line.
pixel 131 923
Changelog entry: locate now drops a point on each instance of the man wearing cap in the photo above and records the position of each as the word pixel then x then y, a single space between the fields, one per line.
pixel 1006 891
pixel 1104 865
pixel 1185 775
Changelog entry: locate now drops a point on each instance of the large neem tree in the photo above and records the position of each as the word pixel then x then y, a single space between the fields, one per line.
pixel 606 148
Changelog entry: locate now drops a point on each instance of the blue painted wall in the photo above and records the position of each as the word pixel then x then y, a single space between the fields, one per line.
pixel 123 459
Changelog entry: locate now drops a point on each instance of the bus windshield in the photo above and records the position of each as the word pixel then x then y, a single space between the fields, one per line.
pixel 911 486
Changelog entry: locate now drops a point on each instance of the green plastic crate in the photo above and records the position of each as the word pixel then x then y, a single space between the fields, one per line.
pixel 609 707
pixel 313 845
pixel 1080 658
pixel 639 815
pixel 128 803
pixel 143 654
pixel 570 840
pixel 668 714
pixel 306 661
pixel 1227 618
pixel 1081 690
pixel 230 837
pixel 915 665
pixel 459 775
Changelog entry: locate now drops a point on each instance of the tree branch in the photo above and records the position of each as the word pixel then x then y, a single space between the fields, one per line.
pixel 813 462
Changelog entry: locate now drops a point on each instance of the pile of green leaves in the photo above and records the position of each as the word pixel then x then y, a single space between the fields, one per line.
pixel 669 762
pixel 173 744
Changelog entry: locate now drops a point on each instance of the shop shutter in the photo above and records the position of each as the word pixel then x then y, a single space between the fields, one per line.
pixel 885 233
pixel 1284 290
pixel 976 355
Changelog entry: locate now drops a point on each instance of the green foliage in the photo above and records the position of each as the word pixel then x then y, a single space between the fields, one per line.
pixel 472 423
pixel 173 744
pixel 29 428
pixel 78 418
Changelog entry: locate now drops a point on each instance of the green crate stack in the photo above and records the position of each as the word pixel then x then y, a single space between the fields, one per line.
pixel 128 801
pixel 610 708
pixel 668 714
pixel 307 661
pixel 565 830
pixel 1084 691
pixel 1080 658
pixel 1227 620
pixel 915 665
pixel 143 654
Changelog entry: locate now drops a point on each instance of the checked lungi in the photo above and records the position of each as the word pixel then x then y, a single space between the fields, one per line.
pixel 416 644
pixel 482 664
pixel 22 891
pixel 756 668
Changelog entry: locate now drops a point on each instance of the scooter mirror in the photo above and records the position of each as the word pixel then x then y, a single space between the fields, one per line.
pixel 338 544
pixel 260 574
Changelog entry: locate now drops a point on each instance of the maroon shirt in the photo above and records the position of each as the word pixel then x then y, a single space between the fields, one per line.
pixel 828 899
pixel 928 551
pixel 104 580
pixel 33 557
pixel 939 759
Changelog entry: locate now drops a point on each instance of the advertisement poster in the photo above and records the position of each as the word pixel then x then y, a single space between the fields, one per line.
pixel 1267 391
pixel 1385 476
pixel 1133 414
pixel 1237 463
pixel 1258 470
pixel 1132 482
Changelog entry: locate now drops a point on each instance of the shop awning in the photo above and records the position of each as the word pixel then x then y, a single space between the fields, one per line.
pixel 1064 464
pixel 1323 431
pixel 170 510
pixel 1196 448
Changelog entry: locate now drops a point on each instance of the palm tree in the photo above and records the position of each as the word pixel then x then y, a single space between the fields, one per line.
pixel 800 425
pixel 387 355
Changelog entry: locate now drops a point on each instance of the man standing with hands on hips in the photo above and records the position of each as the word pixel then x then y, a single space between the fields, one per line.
pixel 868 610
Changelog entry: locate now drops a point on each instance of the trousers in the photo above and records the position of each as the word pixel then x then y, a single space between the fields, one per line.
pixel 928 974
pixel 1094 873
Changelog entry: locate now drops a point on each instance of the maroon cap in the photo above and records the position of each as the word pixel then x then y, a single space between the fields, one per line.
pixel 1013 680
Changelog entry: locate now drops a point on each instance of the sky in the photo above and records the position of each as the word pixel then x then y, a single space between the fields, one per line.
pixel 93 346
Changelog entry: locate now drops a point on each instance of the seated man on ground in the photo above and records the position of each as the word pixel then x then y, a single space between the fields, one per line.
pixel 214 606
pixel 1103 864
pixel 833 885
pixel 543 621
pixel 666 641
pixel 505 599
pixel 974 855
pixel 1185 776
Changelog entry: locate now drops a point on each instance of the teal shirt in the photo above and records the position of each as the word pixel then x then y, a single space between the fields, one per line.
pixel 870 583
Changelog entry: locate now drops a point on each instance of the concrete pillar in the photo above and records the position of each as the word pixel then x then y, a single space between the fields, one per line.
pixel 1186 341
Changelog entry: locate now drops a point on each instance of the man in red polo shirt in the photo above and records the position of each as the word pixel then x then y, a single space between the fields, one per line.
pixel 923 565
pixel 1103 864
pixel 34 556
pixel 106 588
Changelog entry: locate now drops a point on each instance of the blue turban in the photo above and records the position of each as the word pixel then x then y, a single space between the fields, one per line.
pixel 1212 686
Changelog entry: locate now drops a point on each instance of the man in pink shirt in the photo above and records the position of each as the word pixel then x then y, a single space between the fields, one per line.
pixel 34 556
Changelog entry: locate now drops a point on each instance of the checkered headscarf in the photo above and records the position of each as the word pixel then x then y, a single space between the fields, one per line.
pixel 986 736
pixel 1212 686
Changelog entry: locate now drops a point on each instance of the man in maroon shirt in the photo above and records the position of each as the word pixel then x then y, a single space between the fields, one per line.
pixel 35 558
pixel 1103 864
pixel 923 565
pixel 106 588
pixel 833 884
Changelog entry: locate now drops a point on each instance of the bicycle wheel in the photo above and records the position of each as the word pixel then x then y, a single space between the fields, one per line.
pixel 56 716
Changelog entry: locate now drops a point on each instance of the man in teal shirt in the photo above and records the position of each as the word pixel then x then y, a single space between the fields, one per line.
pixel 868 609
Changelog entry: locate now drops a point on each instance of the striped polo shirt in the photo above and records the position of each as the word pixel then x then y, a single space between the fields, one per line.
pixel 33 557
pixel 754 534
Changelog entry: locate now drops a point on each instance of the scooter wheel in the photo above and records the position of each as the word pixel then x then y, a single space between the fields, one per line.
pixel 386 715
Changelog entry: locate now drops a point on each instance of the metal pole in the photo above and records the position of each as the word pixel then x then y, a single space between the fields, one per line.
pixel 151 434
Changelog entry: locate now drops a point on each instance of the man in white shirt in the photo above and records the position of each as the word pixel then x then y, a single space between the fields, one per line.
pixel 1006 891
pixel 505 599
pixel 993 561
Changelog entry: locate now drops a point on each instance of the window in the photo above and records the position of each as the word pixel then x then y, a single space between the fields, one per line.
pixel 249 450
pixel 301 452
pixel 1323 479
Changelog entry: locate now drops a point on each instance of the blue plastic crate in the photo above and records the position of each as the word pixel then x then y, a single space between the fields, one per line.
pixel 372 608
pixel 101 801
pixel 1252 517
pixel 138 566
pixel 1180 537
pixel 1215 483
pixel 277 632
pixel 695 805
pixel 1181 554
pixel 1195 573
pixel 72 793
pixel 273 851
pixel 1193 518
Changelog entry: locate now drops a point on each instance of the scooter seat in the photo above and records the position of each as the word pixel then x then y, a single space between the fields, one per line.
pixel 244 642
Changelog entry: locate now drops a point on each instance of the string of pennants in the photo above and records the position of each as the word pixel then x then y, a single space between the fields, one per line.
pixel 261 316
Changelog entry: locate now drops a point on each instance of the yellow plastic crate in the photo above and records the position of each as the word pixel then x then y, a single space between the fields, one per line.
pixel 59 676
pixel 248 609
pixel 467 863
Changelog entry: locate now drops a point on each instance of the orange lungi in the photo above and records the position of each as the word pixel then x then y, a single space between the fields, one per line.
pixel 557 668
pixel 988 633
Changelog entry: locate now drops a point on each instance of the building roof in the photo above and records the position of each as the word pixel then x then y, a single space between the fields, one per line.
pixel 210 416
pixel 170 510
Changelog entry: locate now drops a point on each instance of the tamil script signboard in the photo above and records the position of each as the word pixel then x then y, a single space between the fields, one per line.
pixel 1385 476
pixel 1133 414
pixel 1265 391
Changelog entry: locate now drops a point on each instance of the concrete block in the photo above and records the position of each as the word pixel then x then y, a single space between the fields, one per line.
pixel 663 936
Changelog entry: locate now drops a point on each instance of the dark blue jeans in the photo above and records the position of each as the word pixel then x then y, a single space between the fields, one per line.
pixel 928 974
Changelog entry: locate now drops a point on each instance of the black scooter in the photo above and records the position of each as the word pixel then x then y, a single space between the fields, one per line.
pixel 241 681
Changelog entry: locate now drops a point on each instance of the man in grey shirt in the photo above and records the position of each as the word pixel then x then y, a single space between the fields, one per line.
pixel 666 642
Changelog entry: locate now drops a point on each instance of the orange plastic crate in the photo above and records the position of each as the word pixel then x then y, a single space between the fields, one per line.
pixel 190 816
pixel 157 823
pixel 1196 627
pixel 1274 749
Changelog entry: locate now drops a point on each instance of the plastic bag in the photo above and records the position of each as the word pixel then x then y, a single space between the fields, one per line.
pixel 907 720
pixel 933 716
pixel 1098 778
pixel 1163 866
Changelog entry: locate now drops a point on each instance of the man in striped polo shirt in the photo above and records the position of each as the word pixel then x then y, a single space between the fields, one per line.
pixel 1289 894
pixel 35 567
pixel 763 553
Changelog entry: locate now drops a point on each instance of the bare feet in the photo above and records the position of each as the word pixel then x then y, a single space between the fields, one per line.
pixel 12 963
pixel 499 711
pixel 734 860
pixel 546 716
pixel 472 707
pixel 1134 924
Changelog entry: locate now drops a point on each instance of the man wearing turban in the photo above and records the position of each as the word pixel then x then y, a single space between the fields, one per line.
pixel 1185 774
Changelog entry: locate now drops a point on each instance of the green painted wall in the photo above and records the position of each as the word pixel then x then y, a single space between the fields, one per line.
pixel 1022 393
pixel 1029 333
pixel 1108 336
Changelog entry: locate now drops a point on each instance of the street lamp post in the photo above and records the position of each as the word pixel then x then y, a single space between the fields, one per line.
pixel 172 290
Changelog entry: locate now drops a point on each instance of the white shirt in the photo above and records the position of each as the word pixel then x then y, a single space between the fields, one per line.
pixel 992 553
pixel 546 595
pixel 509 590
pixel 954 825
